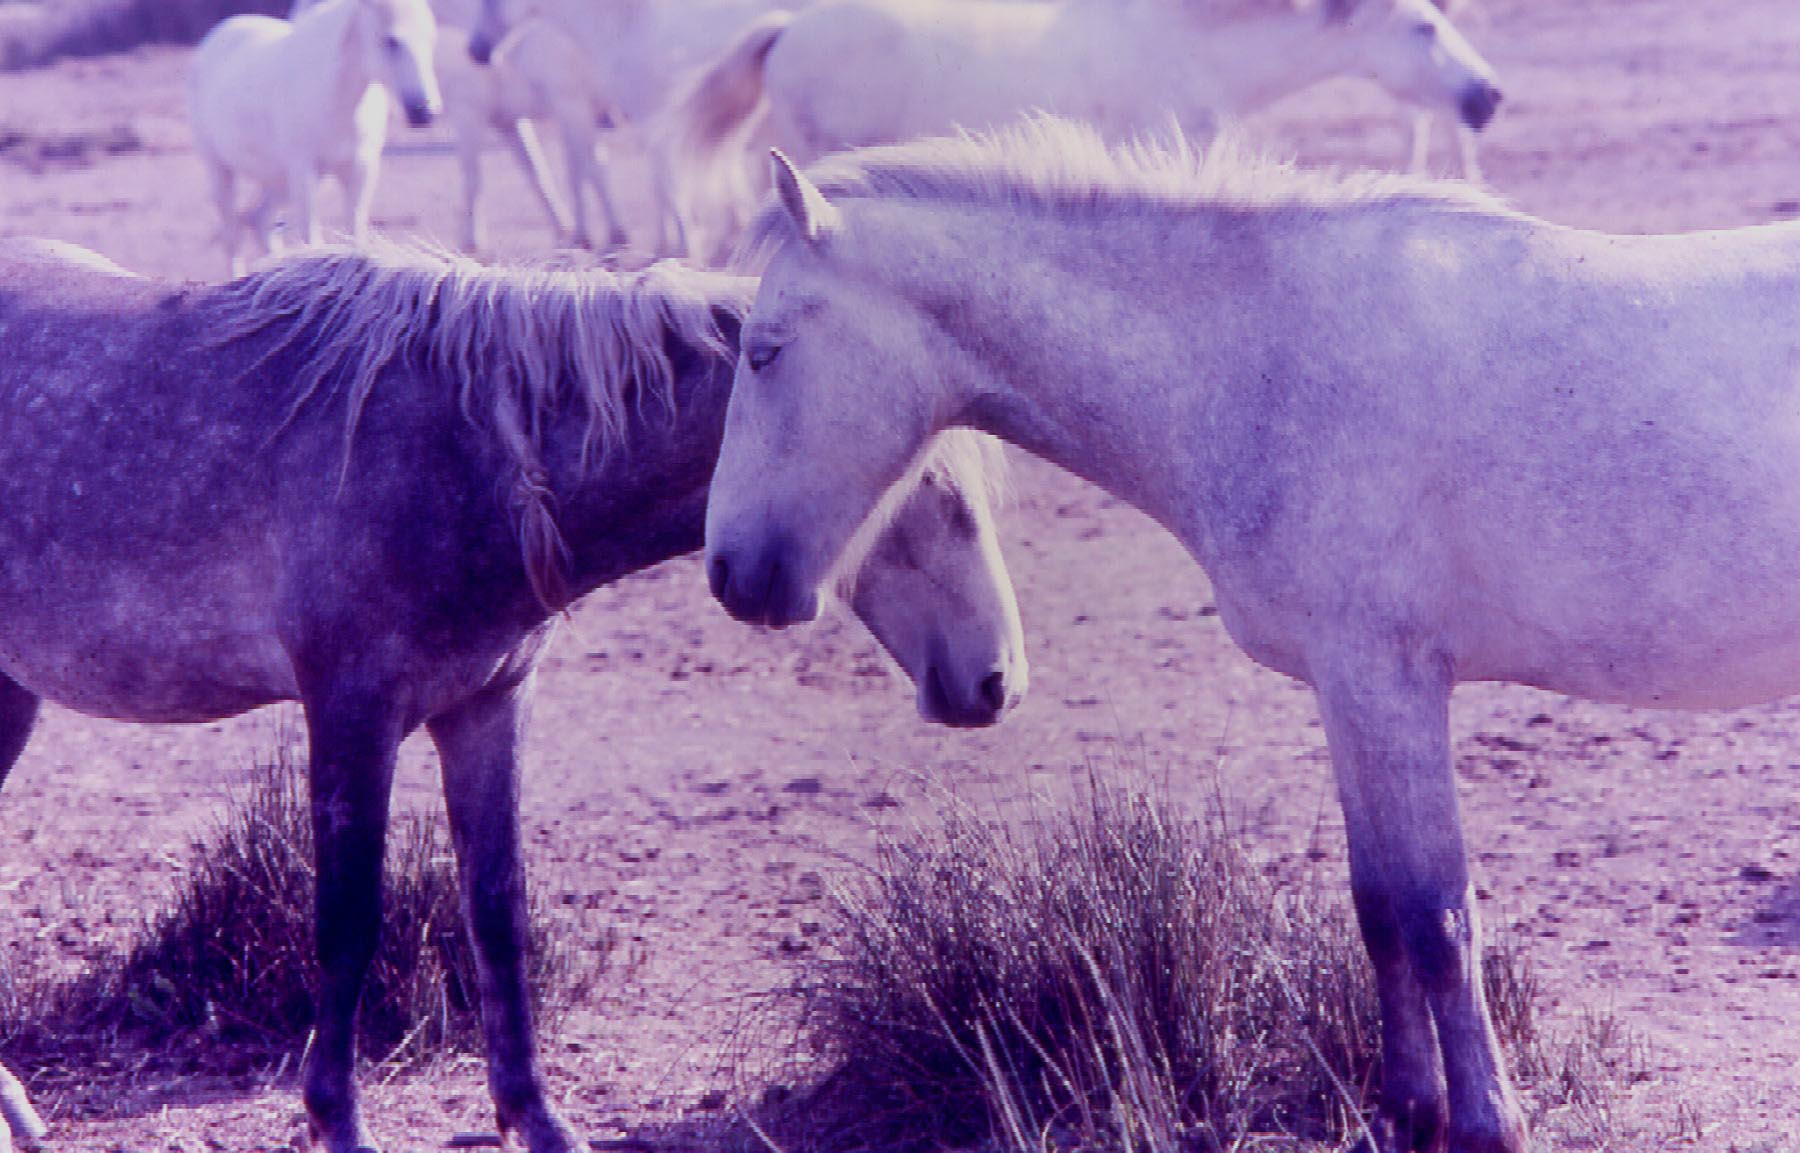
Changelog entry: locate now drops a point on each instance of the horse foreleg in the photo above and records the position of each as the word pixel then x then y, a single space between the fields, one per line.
pixel 1420 164
pixel 359 190
pixel 522 141
pixel 1387 721
pixel 479 745
pixel 468 155
pixel 671 213
pixel 1471 159
pixel 353 740
pixel 18 714
pixel 224 193
pixel 262 220
pixel 590 165
pixel 1414 1113
pixel 303 194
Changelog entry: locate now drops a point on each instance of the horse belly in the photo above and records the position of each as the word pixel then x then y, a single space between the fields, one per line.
pixel 182 676
pixel 137 645
pixel 1709 652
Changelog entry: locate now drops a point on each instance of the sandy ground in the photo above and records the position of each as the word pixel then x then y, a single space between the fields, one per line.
pixel 695 783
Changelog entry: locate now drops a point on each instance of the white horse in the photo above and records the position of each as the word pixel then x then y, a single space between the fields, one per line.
pixel 535 76
pixel 642 52
pixel 852 73
pixel 1424 123
pixel 1413 437
pixel 283 103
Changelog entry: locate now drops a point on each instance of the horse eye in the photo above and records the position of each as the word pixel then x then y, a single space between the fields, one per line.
pixel 761 356
pixel 392 43
pixel 1425 31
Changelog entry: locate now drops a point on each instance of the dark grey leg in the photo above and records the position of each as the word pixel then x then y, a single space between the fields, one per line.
pixel 479 742
pixel 353 744
pixel 18 714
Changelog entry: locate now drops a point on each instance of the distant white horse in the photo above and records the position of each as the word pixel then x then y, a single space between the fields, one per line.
pixel 282 103
pixel 850 73
pixel 535 77
pixel 641 52
pixel 1423 123
pixel 1413 437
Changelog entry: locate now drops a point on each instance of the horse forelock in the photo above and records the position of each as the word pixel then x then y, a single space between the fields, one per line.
pixel 1050 165
pixel 521 344
pixel 969 463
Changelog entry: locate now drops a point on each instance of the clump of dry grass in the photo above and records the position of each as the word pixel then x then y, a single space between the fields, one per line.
pixel 223 980
pixel 1121 977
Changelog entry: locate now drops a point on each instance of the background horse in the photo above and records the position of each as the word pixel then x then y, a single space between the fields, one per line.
pixel 371 484
pixel 642 52
pixel 1424 121
pixel 852 73
pixel 1414 438
pixel 282 104
pixel 536 75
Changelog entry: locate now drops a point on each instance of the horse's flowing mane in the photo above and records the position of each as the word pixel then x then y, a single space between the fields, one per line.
pixel 521 342
pixel 1050 165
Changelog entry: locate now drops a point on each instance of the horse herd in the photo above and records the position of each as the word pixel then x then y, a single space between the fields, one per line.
pixel 1412 436
pixel 281 103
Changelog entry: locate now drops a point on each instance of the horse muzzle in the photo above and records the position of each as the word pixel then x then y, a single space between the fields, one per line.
pixel 974 704
pixel 761 589
pixel 419 113
pixel 1479 102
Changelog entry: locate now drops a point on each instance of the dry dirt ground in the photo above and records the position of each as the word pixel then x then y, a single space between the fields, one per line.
pixel 695 784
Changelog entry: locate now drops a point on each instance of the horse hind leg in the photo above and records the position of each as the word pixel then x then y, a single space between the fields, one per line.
pixel 18 714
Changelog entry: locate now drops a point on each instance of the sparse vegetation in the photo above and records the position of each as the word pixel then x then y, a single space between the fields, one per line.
pixel 1121 977
pixel 229 963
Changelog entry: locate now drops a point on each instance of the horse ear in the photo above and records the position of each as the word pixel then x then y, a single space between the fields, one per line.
pixel 812 215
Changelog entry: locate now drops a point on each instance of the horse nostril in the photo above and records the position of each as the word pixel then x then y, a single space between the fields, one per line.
pixel 718 576
pixel 993 691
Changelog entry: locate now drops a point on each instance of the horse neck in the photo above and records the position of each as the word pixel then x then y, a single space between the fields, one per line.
pixel 1238 62
pixel 644 500
pixel 1103 356
pixel 329 38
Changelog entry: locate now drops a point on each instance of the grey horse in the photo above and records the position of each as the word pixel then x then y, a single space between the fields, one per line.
pixel 371 483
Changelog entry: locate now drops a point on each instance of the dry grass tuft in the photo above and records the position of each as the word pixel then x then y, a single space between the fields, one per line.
pixel 223 981
pixel 1121 977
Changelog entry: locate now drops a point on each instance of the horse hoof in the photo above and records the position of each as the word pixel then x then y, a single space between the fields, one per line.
pixel 540 1130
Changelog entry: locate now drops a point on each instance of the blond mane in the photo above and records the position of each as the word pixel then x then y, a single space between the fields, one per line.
pixel 1045 164
pixel 521 342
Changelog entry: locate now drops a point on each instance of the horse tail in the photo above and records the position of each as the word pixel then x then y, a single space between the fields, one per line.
pixel 716 108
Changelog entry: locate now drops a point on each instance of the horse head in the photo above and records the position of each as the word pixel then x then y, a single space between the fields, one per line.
pixel 1412 49
pixel 399 38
